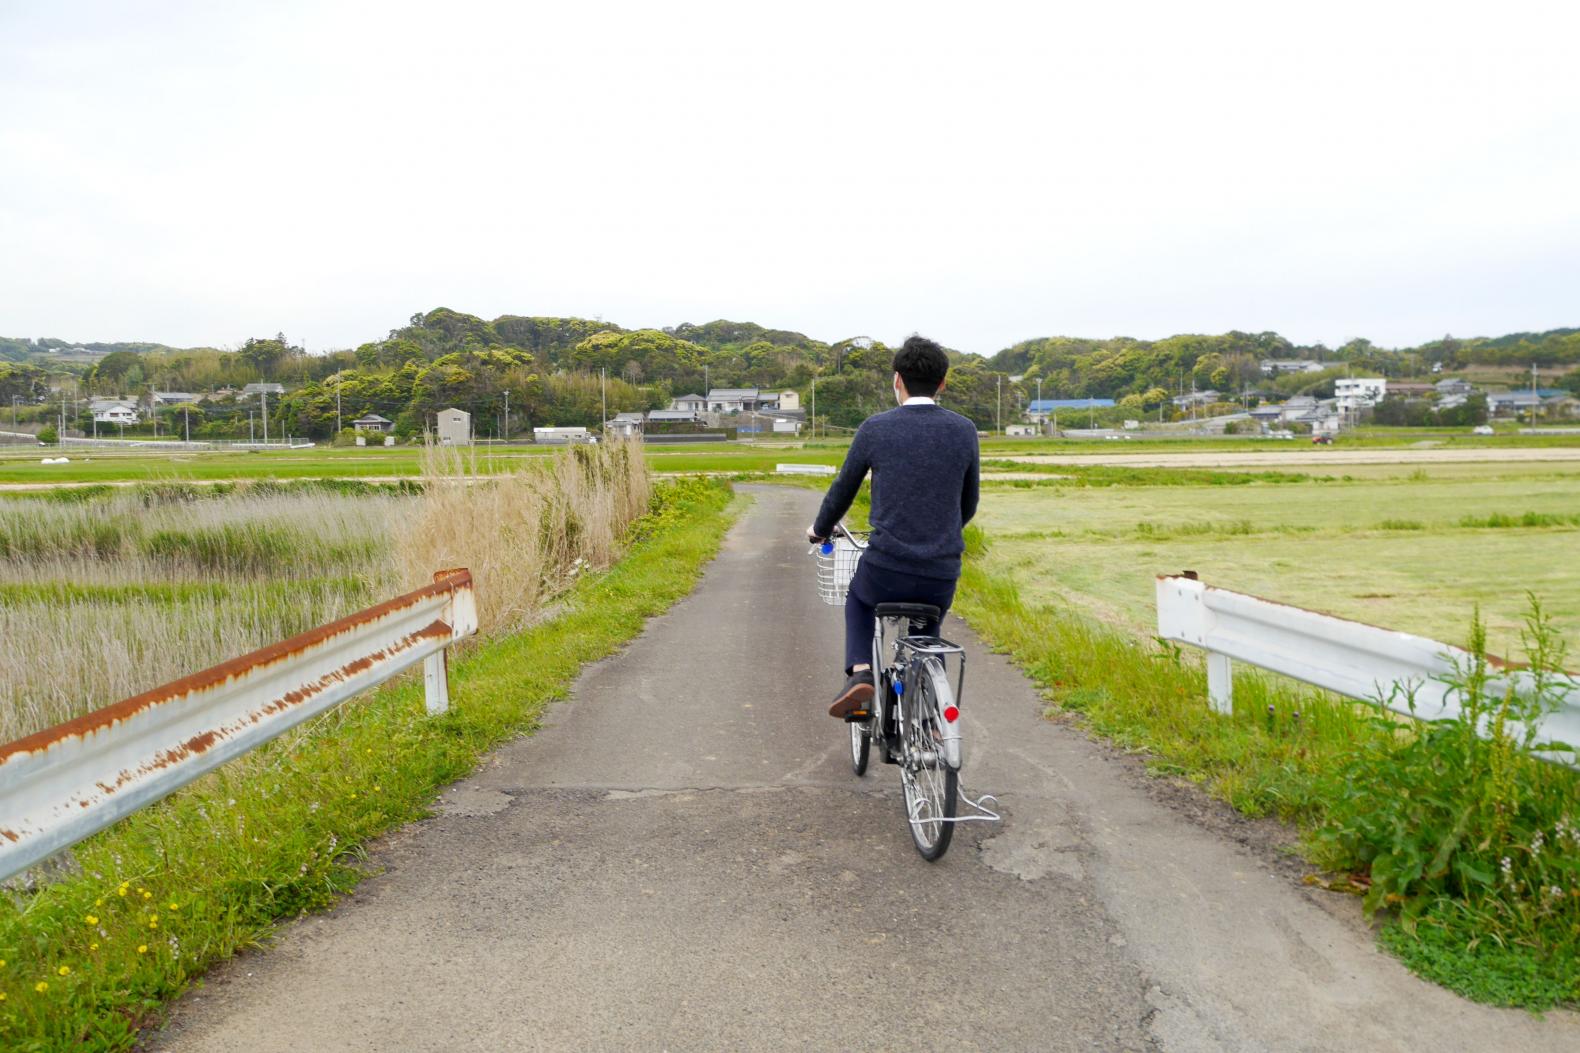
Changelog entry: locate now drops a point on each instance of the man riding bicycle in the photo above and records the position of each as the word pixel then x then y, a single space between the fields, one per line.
pixel 925 479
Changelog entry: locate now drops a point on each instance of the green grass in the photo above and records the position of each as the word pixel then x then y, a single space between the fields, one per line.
pixel 1415 551
pixel 284 831
pixel 1342 774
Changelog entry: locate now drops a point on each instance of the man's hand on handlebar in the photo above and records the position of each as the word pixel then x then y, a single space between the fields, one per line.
pixel 812 536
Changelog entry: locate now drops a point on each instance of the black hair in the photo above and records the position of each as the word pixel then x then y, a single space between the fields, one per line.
pixel 922 364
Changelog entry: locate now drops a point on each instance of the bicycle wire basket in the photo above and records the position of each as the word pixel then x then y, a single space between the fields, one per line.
pixel 836 565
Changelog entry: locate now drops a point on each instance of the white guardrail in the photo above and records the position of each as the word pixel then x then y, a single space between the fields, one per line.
pixel 1348 658
pixel 75 779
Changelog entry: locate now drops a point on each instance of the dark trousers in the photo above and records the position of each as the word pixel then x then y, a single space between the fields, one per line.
pixel 874 585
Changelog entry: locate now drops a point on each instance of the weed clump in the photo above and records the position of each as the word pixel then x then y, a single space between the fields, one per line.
pixel 1470 840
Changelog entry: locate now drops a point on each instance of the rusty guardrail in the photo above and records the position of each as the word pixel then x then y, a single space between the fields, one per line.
pixel 74 779
pixel 1406 674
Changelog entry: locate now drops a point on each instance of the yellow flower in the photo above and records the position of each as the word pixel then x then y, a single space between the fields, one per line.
pixel 142 948
pixel 92 919
pixel 2 996
pixel 175 906
pixel 153 923
pixel 99 902
pixel 147 894
pixel 64 970
pixel 93 946
pixel 121 891
pixel 2 963
pixel 41 987
pixel 353 797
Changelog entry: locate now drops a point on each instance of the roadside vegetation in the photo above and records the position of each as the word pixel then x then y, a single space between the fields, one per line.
pixel 1466 849
pixel 91 952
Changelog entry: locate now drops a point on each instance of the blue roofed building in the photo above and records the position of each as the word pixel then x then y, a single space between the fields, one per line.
pixel 1042 409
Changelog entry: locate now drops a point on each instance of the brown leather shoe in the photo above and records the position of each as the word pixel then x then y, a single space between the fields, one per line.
pixel 855 699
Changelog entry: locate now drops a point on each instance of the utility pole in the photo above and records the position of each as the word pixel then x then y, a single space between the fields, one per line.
pixel 506 435
pixel 264 397
pixel 186 422
pixel 814 407
pixel 998 414
pixel 337 404
pixel 603 393
pixel 251 438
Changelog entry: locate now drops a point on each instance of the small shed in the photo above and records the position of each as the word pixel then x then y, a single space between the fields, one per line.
pixel 455 427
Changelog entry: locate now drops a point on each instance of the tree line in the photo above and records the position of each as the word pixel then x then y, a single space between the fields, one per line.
pixel 518 371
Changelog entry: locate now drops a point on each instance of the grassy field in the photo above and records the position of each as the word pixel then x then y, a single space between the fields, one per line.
pixel 88 960
pixel 108 592
pixel 21 465
pixel 1411 549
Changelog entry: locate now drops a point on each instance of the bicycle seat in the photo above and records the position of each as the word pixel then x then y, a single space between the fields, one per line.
pixel 918 611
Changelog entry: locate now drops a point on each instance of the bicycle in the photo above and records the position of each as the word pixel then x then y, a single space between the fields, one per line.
pixel 915 719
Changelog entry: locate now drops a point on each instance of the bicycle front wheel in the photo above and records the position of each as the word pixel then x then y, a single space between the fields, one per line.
pixel 932 787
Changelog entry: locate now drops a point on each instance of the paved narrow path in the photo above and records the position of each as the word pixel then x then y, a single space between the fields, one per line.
pixel 682 860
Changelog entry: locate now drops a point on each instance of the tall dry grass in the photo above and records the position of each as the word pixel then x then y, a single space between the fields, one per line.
pixel 523 535
pixel 106 598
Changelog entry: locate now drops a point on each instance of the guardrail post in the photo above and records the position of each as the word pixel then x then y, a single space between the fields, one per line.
pixel 436 679
pixel 1220 683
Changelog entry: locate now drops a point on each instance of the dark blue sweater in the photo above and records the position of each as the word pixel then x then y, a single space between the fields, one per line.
pixel 925 470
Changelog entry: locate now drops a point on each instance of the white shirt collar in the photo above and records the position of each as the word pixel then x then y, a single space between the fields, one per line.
pixel 918 400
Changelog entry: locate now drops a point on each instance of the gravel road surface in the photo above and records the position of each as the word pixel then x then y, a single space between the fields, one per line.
pixel 682 860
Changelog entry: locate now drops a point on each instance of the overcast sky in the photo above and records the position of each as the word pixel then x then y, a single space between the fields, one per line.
pixel 982 173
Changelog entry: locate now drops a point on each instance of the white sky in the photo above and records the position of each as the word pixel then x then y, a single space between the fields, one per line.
pixel 980 172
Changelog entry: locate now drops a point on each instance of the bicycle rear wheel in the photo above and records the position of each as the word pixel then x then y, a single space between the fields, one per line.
pixel 860 746
pixel 932 787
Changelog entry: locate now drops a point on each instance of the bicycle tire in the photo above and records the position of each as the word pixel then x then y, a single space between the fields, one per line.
pixel 939 789
pixel 860 746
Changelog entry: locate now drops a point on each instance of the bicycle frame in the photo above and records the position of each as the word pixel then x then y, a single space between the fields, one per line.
pixel 907 651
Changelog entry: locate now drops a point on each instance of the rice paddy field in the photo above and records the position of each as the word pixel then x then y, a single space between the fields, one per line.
pixel 1412 548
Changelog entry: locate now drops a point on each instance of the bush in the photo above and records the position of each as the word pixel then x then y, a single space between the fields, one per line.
pixel 1465 833
pixel 48 435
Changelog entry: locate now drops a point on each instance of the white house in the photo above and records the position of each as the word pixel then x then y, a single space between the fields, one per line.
pixel 374 422
pixel 455 427
pixel 733 400
pixel 1274 366
pixel 560 436
pixel 689 404
pixel 789 400
pixel 1359 392
pixel 114 411
pixel 624 425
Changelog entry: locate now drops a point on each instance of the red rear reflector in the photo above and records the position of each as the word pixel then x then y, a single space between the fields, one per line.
pixel 951 714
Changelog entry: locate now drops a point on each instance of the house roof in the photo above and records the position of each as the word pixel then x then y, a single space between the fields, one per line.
pixel 1046 405
pixel 732 394
pixel 691 398
pixel 270 388
pixel 372 418
pixel 667 414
